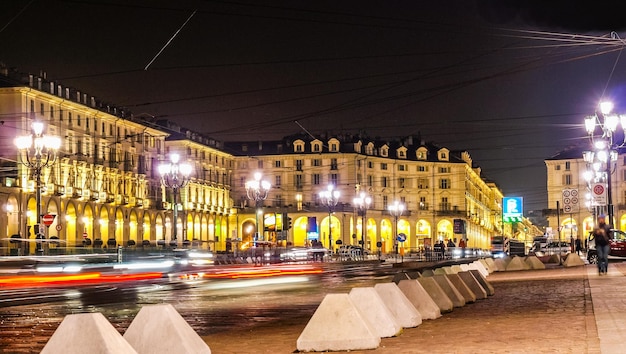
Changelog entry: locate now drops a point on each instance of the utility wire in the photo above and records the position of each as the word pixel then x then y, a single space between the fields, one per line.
pixel 169 41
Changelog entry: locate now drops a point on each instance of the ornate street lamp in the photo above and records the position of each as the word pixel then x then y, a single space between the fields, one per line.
pixel 257 190
pixel 36 152
pixel 396 209
pixel 175 175
pixel 605 148
pixel 362 203
pixel 330 198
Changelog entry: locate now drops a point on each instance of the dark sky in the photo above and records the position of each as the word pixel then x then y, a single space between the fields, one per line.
pixel 509 82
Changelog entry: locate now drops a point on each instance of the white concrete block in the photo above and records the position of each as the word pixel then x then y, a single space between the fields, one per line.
pixel 479 267
pixel 573 260
pixel 483 282
pixel 516 263
pixel 491 263
pixel 428 273
pixel 86 333
pixel 486 265
pixel 375 311
pixel 462 288
pixel 437 294
pixel 473 285
pixel 174 334
pixel 456 268
pixel 422 301
pixel 402 309
pixel 453 294
pixel 439 271
pixel 337 325
pixel 499 264
pixel 534 262
pixel 464 267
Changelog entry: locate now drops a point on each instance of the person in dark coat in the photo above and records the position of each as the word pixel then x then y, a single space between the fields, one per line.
pixel 602 236
pixel 578 246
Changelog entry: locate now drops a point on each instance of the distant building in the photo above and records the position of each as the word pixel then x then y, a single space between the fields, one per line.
pixel 565 171
pixel 437 186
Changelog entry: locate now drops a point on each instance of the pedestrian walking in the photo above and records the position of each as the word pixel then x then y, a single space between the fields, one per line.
pixel 602 236
pixel 578 246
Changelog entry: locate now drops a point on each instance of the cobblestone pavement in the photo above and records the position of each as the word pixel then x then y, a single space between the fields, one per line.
pixel 541 311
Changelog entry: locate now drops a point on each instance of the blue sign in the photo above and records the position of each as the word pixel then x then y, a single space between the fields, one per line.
pixel 401 237
pixel 512 208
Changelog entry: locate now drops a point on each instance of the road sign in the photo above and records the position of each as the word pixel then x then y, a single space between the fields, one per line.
pixel 48 219
pixel 59 227
pixel 84 234
pixel 598 194
pixel 401 237
pixel 570 200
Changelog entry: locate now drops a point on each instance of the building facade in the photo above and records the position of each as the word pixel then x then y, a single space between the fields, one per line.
pixel 105 186
pixel 566 171
pixel 439 189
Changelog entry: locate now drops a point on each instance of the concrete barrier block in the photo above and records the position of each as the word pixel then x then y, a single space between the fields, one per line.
pixel 375 311
pixel 486 265
pixel 162 321
pixel 534 262
pixel 491 263
pixel 516 264
pixel 337 325
pixel 573 260
pixel 473 285
pixel 479 267
pixel 554 258
pixel 464 267
pixel 483 282
pixel 401 308
pixel 456 268
pixel 86 333
pixel 420 299
pixel 439 271
pixel 437 294
pixel 499 264
pixel 428 273
pixel 462 288
pixel 400 276
pixel 453 294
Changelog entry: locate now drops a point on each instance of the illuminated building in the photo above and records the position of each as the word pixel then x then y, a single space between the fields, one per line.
pixel 436 185
pixel 104 187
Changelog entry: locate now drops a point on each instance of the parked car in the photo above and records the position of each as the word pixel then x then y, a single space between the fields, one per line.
pixel 617 246
pixel 351 251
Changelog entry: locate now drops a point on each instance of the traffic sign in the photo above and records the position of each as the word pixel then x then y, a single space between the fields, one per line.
pixel 58 227
pixel 48 219
pixel 401 237
pixel 570 200
pixel 84 234
pixel 598 192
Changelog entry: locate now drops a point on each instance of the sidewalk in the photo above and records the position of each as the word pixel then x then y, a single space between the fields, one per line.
pixel 558 310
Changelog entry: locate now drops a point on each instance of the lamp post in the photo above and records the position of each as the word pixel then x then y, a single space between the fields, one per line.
pixel 604 152
pixel 175 175
pixel 257 190
pixel 36 152
pixel 330 198
pixel 362 203
pixel 396 209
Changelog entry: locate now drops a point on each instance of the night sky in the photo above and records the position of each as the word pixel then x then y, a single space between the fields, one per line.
pixel 510 83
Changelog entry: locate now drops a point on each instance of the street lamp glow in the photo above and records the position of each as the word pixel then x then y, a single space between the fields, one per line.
pixel 362 203
pixel 257 190
pixel 396 209
pixel 330 198
pixel 606 107
pixel 175 175
pixel 38 151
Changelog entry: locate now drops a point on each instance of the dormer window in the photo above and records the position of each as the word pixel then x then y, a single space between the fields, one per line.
pixel 401 152
pixel 444 155
pixel 333 145
pixel 422 153
pixel 316 146
pixel 298 146
pixel 369 149
pixel 384 151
